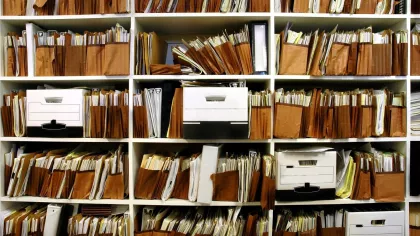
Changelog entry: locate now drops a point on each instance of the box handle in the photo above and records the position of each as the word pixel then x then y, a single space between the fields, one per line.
pixel 53 99
pixel 307 189
pixel 377 222
pixel 53 126
pixel 215 98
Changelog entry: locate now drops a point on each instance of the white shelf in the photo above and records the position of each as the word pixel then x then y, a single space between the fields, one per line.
pixel 38 79
pixel 64 201
pixel 63 140
pixel 66 17
pixel 140 78
pixel 345 16
pixel 168 140
pixel 326 202
pixel 177 202
pixel 349 140
pixel 340 78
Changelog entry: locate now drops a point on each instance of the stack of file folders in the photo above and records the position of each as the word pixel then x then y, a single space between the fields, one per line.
pixel 415 50
pixel 60 173
pixel 232 178
pixel 340 6
pixel 35 220
pixel 201 221
pixel 288 223
pixel 260 114
pixel 325 113
pixel 13 114
pixel 63 7
pixel 15 55
pixel 415 113
pixel 165 6
pixel 106 114
pixel 360 52
pixel 239 53
pixel 91 53
pixel 414 220
pixel 97 222
pixel 368 174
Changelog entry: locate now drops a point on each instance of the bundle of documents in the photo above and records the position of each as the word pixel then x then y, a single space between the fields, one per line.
pixel 140 118
pixel 152 99
pixel 106 114
pixel 35 220
pixel 268 190
pixel 161 6
pixel 232 54
pixel 79 174
pixel 415 53
pixel 368 174
pixel 64 7
pixel 339 6
pixel 359 52
pixel 330 114
pixel 13 114
pixel 15 54
pixel 301 222
pixel 260 114
pixel 117 224
pixel 175 129
pixel 201 221
pixel 163 177
pixel 414 219
pixel 415 113
pixel 90 53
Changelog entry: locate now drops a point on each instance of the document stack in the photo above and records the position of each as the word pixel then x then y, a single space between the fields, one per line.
pixel 415 113
pixel 346 114
pixel 13 113
pixel 290 223
pixel 339 6
pixel 61 173
pixel 414 220
pixel 205 177
pixel 360 52
pixel 35 220
pixel 367 174
pixel 72 54
pixel 15 55
pixel 260 114
pixel 63 7
pixel 161 6
pixel 148 113
pixel 200 221
pixel 415 50
pixel 98 221
pixel 332 222
pixel 239 53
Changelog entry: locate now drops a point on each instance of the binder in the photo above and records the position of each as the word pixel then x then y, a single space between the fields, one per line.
pixel 259 42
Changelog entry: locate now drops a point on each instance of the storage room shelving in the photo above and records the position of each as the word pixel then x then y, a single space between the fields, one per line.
pixel 190 24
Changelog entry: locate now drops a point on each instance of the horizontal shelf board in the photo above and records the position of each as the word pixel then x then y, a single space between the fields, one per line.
pixel 345 16
pixel 413 199
pixel 202 77
pixel 66 17
pixel 66 140
pixel 325 202
pixel 37 79
pixel 203 15
pixel 414 78
pixel 65 201
pixel 168 140
pixel 415 138
pixel 349 140
pixel 339 78
pixel 178 202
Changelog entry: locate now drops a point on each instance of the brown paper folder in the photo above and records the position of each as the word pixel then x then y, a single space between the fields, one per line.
pixel 117 59
pixel 114 187
pixel 95 60
pixel 414 231
pixel 342 114
pixel 255 185
pixel 175 129
pixel 382 192
pixel 56 179
pixel 364 59
pixel 83 184
pixel 259 5
pixel 160 69
pixel 404 58
pixel 268 193
pixel 293 59
pixel 301 6
pixel 288 121
pixel 363 187
pixel 352 61
pixel 367 7
pixel 228 55
pixel 97 114
pixel 11 62
pixel 74 61
pixel 146 183
pixel 260 123
pixel 163 177
pixel 23 61
pixel 44 61
pixel 7 175
pixel 333 232
pixel 243 51
pixel 415 60
pixel 181 185
pixel 381 59
pixel 338 59
pixel 397 121
pixel 7 121
pixel 364 122
pixel 308 233
pixel 225 186
pixel 140 122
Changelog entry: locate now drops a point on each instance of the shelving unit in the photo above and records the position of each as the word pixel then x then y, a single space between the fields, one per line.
pixel 191 23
